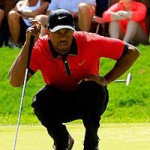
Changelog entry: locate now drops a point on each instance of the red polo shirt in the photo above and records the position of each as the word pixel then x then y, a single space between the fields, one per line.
pixel 83 59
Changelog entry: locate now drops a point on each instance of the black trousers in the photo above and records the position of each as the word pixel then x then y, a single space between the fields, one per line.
pixel 53 107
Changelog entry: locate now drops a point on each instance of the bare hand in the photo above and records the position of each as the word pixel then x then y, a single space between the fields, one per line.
pixel 33 30
pixel 96 78
pixel 122 13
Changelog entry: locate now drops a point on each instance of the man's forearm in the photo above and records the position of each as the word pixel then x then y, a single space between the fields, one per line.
pixel 117 16
pixel 122 65
pixel 17 70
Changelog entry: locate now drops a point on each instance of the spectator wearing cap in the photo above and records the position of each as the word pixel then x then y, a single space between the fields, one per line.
pixel 20 17
pixel 127 21
pixel 69 63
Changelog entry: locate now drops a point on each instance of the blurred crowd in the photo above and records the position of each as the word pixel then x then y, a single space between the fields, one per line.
pixel 128 20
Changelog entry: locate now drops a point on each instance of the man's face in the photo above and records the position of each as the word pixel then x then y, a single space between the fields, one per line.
pixel 62 40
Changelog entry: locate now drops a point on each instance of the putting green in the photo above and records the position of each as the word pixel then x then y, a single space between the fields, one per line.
pixel 113 137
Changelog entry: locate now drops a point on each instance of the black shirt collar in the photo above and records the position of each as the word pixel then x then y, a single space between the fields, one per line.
pixel 73 49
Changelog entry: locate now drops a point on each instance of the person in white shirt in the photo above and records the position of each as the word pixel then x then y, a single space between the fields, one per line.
pixel 19 18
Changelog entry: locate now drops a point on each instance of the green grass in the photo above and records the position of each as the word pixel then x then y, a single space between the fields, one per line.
pixel 118 136
pixel 127 103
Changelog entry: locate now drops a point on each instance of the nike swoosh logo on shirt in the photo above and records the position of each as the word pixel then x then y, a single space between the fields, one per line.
pixel 81 63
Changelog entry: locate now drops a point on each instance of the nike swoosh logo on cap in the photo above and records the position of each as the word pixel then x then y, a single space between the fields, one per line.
pixel 59 17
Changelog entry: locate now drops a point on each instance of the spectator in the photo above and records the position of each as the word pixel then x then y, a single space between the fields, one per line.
pixel 5 7
pixel 69 63
pixel 127 21
pixel 1 19
pixel 147 4
pixel 19 19
pixel 81 10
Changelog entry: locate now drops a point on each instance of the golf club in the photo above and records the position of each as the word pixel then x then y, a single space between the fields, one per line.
pixel 127 80
pixel 23 90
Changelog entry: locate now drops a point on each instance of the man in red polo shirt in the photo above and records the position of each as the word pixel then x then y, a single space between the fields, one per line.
pixel 69 63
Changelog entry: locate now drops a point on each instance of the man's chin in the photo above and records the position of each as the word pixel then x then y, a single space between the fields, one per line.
pixel 63 51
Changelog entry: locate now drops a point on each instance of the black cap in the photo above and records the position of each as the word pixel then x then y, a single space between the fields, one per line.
pixel 60 19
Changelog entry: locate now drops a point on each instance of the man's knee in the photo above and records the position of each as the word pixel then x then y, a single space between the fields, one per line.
pixel 93 96
pixel 13 15
pixel 82 7
pixel 133 25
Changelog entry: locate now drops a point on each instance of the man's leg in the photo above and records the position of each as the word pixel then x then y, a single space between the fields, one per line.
pixel 85 14
pixel 93 100
pixel 135 34
pixel 14 25
pixel 47 107
pixel 115 30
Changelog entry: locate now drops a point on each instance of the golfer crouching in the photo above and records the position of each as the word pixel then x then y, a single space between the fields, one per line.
pixel 69 63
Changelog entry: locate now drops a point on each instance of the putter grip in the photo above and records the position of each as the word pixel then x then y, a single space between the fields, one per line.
pixel 30 50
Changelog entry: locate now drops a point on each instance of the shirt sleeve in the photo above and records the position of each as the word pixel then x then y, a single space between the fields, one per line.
pixel 106 47
pixel 114 8
pixel 139 13
pixel 34 66
pixel 111 48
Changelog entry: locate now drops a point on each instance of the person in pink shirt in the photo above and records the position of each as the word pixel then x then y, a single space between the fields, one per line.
pixel 127 21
